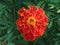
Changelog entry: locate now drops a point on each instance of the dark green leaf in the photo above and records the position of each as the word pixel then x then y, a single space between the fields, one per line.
pixel 57 42
pixel 2 7
pixel 2 28
pixel 21 42
pixel 28 3
pixel 40 3
pixel 3 22
pixel 1 13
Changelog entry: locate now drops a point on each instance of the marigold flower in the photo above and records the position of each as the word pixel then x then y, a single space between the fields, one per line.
pixel 32 22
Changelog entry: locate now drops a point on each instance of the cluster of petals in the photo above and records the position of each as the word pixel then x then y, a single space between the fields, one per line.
pixel 32 22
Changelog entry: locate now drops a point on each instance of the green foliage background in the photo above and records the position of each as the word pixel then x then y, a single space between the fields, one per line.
pixel 9 34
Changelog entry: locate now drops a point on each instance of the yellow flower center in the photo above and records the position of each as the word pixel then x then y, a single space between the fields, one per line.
pixel 31 20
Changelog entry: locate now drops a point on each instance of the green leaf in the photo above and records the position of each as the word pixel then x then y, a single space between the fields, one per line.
pixel 1 13
pixel 2 28
pixel 40 3
pixel 51 6
pixel 28 3
pixel 3 37
pixel 57 42
pixel 50 24
pixel 58 11
pixel 7 14
pixel 2 7
pixel 3 22
pixel 10 43
pixel 49 13
pixel 35 41
pixel 58 22
pixel 10 29
pixel 39 41
pixel 0 43
pixel 21 42
pixel 43 6
pixel 9 35
pixel 58 34
pixel 54 1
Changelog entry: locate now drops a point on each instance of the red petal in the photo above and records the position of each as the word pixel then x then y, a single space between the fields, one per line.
pixel 45 20
pixel 32 7
pixel 40 11
pixel 20 21
pixel 22 12
pixel 29 36
pixel 42 30
pixel 32 10
pixel 26 37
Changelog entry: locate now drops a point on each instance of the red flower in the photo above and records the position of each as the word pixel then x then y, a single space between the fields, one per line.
pixel 32 22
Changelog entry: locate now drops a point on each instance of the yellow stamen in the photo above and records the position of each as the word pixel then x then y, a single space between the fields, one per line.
pixel 31 20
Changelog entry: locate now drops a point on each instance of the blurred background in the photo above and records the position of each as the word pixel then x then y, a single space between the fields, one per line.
pixel 9 34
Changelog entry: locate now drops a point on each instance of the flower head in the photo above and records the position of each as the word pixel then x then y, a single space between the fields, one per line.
pixel 32 22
